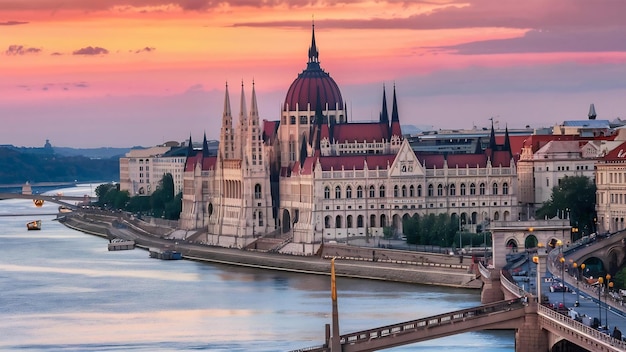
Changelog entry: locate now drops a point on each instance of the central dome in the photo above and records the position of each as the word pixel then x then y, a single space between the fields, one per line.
pixel 303 91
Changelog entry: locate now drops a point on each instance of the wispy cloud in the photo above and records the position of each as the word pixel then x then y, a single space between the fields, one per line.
pixel 12 23
pixel 145 50
pixel 549 41
pixel 15 50
pixel 91 51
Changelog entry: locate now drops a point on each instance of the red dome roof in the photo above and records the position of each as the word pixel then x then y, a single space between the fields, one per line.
pixel 303 90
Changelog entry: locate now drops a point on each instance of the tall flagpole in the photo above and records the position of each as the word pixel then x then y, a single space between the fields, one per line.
pixel 335 343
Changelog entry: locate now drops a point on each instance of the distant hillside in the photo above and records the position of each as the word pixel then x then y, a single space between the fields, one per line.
pixel 43 165
pixel 96 153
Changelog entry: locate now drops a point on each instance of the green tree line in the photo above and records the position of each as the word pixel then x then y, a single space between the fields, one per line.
pixel 162 203
pixel 441 230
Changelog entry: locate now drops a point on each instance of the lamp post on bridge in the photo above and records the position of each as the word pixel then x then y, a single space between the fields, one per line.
pixel 579 269
pixel 562 261
pixel 608 284
pixel 600 283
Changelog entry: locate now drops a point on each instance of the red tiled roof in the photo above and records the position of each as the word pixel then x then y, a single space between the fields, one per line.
pixel 208 163
pixel 431 161
pixel 501 158
pixel 466 160
pixel 361 131
pixel 617 154
pixel 396 129
pixel 517 142
pixel 347 162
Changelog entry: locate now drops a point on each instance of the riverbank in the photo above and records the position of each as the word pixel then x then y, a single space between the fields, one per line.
pixel 384 264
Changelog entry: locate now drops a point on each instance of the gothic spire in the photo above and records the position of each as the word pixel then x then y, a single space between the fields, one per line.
pixel 227 111
pixel 384 115
pixel 243 112
pixel 205 147
pixel 313 53
pixel 394 108
pixel 492 137
pixel 190 147
pixel 507 141
pixel 254 110
pixel 396 129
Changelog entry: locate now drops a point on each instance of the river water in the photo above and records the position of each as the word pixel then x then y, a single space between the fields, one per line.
pixel 62 290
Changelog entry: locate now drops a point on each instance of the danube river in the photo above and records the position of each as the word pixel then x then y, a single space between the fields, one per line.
pixel 62 290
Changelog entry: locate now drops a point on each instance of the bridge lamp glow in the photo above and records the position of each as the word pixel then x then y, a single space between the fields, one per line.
pixel 536 259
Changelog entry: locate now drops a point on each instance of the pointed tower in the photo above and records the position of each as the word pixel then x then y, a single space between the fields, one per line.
pixel 313 53
pixel 492 137
pixel 190 147
pixel 255 176
pixel 396 130
pixel 507 141
pixel 384 114
pixel 227 135
pixel 240 135
pixel 253 137
pixel 205 147
pixel 190 152
pixel 592 112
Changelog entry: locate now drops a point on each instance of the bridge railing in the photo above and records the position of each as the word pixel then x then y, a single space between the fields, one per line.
pixel 433 321
pixel 580 328
pixel 512 287
pixel 484 272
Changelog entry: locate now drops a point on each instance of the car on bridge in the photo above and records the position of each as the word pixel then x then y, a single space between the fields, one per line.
pixel 558 287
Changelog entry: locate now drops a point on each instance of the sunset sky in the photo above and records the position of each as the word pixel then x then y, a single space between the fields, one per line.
pixel 120 73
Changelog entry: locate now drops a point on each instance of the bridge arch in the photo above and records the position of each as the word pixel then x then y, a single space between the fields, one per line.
pixel 615 259
pixel 512 245
pixel 562 344
pixel 531 241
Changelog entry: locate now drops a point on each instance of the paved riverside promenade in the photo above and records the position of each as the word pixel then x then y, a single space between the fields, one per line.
pixel 111 225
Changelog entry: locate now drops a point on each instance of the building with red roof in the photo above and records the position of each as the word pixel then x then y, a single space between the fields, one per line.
pixel 313 176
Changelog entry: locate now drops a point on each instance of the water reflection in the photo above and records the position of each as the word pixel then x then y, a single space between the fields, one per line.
pixel 62 290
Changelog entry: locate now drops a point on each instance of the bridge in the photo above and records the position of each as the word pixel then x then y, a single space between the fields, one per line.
pixel 505 304
pixel 61 199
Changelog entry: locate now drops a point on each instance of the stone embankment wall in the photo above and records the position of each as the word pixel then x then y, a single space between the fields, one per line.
pixel 356 262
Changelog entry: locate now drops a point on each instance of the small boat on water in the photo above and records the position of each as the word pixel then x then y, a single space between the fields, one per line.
pixel 34 225
pixel 167 254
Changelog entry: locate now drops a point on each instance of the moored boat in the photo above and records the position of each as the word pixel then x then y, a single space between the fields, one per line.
pixel 34 225
pixel 119 244
pixel 167 254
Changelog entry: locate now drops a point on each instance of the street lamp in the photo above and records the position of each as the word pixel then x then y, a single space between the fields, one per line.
pixel 608 284
pixel 600 283
pixel 575 266
pixel 562 261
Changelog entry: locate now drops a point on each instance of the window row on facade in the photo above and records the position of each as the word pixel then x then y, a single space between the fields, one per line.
pixel 412 191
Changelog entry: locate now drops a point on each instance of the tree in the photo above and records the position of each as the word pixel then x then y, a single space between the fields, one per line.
pixel 620 278
pixel 574 197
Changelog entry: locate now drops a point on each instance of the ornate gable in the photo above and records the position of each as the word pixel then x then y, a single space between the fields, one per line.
pixel 406 162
